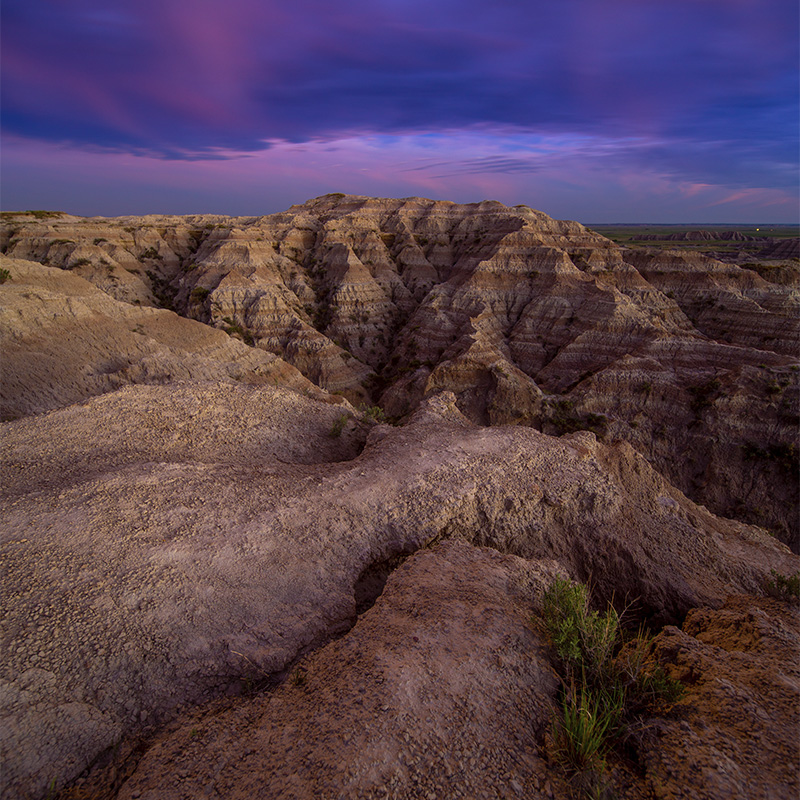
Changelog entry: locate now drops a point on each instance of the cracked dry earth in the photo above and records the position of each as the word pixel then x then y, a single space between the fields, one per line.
pixel 167 547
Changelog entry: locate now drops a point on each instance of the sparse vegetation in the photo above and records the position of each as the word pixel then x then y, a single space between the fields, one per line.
pixel 338 425
pixel 299 678
pixel 606 682
pixel 4 275
pixel 199 294
pixel 374 413
pixel 563 416
pixel 783 454
pixel 704 394
pixel 784 587
pixel 234 329
pixel 39 214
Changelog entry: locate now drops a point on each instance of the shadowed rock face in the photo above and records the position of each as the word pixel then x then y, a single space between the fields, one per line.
pixel 528 320
pixel 187 509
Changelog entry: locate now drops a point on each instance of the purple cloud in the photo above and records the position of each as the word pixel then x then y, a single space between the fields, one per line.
pixel 703 91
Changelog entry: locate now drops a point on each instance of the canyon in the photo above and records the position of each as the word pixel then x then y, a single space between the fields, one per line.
pixel 355 441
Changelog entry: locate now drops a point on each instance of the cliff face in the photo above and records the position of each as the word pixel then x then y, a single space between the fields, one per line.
pixel 528 320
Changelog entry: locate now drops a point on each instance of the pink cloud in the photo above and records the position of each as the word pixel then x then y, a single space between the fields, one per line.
pixel 562 176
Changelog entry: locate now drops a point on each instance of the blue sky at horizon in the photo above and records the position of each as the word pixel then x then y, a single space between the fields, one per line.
pixel 595 110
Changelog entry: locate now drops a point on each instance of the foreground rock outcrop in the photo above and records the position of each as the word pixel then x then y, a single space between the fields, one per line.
pixel 446 689
pixel 164 542
pixel 443 689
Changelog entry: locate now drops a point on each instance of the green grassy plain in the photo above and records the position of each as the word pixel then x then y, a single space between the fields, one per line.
pixel 631 235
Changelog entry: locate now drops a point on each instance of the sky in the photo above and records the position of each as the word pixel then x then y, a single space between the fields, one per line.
pixel 594 110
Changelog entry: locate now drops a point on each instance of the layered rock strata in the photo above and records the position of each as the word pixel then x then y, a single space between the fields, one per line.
pixel 528 320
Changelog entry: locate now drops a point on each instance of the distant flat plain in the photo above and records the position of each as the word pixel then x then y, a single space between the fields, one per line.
pixel 633 235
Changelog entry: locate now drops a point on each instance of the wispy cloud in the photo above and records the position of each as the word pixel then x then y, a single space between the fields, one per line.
pixel 699 91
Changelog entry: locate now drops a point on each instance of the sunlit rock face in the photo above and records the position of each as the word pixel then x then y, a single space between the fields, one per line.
pixel 526 319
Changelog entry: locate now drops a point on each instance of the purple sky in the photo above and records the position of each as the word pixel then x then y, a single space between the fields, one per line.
pixel 596 110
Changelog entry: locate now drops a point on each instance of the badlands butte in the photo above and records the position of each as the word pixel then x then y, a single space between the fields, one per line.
pixel 282 495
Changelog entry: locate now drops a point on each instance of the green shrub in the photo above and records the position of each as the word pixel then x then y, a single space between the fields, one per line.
pixel 704 394
pixel 784 587
pixel 235 329
pixel 338 425
pixel 374 413
pixel 199 294
pixel 563 416
pixel 4 275
pixel 606 682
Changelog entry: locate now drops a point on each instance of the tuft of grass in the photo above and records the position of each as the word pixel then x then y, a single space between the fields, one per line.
pixel 606 682
pixel 338 425
pixel 5 275
pixel 784 587
pixel 299 678
pixel 588 721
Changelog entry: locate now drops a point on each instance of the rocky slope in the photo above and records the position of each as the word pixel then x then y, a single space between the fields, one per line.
pixel 191 516
pixel 526 319
pixel 65 340
pixel 166 544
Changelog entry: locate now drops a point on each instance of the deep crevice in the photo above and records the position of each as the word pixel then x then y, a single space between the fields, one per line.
pixel 371 582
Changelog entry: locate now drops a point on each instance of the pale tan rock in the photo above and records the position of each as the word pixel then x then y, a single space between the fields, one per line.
pixel 389 301
pixel 65 340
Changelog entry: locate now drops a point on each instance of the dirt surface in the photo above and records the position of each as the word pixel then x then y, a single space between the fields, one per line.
pixel 442 689
pixel 163 541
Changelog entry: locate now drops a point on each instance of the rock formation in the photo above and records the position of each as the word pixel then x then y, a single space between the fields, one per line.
pixel 528 320
pixel 201 497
